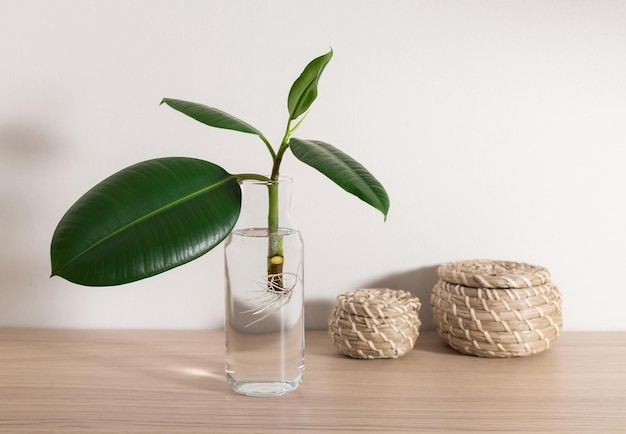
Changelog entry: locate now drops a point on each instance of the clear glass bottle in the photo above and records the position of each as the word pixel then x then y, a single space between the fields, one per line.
pixel 264 321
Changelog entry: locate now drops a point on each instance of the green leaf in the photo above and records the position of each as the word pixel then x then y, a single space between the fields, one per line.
pixel 304 90
pixel 211 116
pixel 343 170
pixel 144 220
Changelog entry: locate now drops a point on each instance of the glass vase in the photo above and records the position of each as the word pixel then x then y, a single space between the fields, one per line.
pixel 264 322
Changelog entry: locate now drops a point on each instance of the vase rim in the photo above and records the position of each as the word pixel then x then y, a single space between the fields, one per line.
pixel 281 180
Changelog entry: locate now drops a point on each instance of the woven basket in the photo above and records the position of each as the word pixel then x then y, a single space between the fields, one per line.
pixel 377 323
pixel 496 308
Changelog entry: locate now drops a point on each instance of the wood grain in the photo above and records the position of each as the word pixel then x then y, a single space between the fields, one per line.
pixel 62 381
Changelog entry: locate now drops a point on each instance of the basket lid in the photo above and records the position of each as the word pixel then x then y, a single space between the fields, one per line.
pixel 486 273
pixel 378 302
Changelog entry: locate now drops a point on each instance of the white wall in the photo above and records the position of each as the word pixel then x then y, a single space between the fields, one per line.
pixel 498 129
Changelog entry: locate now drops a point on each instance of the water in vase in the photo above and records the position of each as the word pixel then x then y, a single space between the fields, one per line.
pixel 264 313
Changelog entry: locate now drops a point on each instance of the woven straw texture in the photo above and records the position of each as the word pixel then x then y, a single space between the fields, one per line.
pixel 496 308
pixel 376 323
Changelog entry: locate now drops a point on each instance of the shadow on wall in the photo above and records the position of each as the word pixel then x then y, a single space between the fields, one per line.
pixel 317 313
pixel 419 282
pixel 25 154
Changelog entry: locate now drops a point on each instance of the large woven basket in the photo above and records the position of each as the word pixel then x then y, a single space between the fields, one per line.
pixel 375 323
pixel 496 308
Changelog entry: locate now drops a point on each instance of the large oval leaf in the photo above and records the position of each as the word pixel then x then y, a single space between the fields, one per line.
pixel 343 170
pixel 211 116
pixel 304 90
pixel 144 220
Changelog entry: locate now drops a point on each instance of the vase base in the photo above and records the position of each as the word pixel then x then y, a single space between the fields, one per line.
pixel 263 388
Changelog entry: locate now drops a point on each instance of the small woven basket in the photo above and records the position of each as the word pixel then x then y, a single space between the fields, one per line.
pixel 496 308
pixel 376 323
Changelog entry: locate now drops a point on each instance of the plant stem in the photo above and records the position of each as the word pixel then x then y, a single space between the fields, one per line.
pixel 275 251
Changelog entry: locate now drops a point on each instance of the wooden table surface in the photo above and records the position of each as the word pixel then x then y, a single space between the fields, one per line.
pixel 69 381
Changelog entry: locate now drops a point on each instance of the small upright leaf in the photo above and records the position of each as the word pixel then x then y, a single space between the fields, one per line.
pixel 304 90
pixel 144 220
pixel 343 170
pixel 211 116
